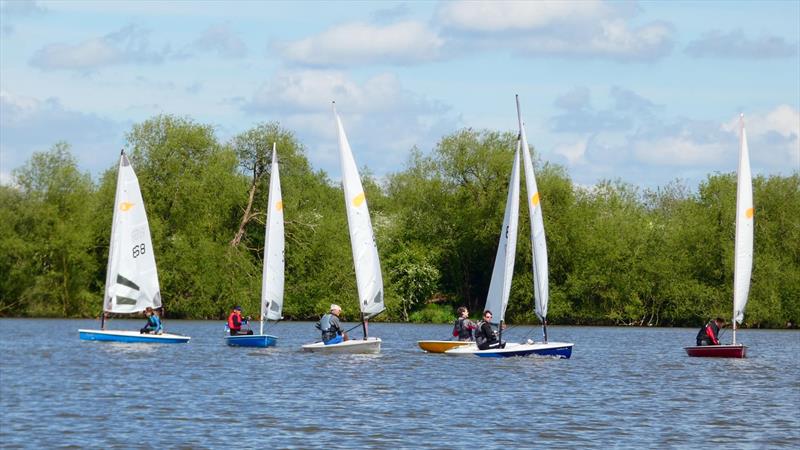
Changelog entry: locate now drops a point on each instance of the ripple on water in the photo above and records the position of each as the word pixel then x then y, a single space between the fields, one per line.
pixel 612 393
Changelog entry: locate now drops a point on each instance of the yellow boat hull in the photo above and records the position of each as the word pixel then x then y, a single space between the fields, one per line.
pixel 441 346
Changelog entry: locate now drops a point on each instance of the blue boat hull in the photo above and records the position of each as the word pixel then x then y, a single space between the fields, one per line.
pixel 252 340
pixel 559 352
pixel 132 337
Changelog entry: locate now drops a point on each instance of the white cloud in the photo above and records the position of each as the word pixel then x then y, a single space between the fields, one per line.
pixel 682 150
pixel 28 125
pixel 313 90
pixel 503 16
pixel 569 29
pixel 222 40
pixel 407 42
pixel 383 120
pixel 574 153
pixel 125 46
pixel 735 44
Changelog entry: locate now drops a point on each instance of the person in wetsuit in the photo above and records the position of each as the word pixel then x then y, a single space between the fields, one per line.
pixel 709 334
pixel 235 322
pixel 486 337
pixel 153 325
pixel 463 327
pixel 331 328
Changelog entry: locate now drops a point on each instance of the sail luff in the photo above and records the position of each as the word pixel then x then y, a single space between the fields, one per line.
pixel 272 277
pixel 362 239
pixel 500 284
pixel 113 243
pixel 743 248
pixel 538 241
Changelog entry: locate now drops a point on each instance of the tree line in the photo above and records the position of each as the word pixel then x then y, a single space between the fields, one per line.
pixel 618 254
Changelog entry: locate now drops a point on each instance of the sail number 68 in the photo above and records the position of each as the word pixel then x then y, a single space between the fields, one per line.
pixel 138 250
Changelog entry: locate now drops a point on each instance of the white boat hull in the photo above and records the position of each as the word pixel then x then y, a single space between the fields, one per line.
pixel 369 345
pixel 551 349
pixel 132 336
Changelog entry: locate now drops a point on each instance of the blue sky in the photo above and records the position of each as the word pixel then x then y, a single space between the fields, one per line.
pixel 645 92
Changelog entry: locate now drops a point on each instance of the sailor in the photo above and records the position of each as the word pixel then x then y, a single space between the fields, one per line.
pixel 235 322
pixel 463 327
pixel 709 334
pixel 331 328
pixel 153 325
pixel 486 336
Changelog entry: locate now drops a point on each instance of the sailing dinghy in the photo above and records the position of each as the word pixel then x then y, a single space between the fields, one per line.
pixel 500 284
pixel 131 276
pixel 365 254
pixel 272 277
pixel 743 250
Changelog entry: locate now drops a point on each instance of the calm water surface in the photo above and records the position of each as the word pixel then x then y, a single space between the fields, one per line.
pixel 623 387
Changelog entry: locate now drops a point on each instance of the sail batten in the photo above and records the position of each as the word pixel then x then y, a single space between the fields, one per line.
pixel 272 277
pixel 538 241
pixel 743 248
pixel 362 239
pixel 500 284
pixel 131 274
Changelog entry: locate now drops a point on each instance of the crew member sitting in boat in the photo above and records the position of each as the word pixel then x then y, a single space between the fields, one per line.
pixel 709 334
pixel 463 327
pixel 331 328
pixel 486 337
pixel 235 322
pixel 153 325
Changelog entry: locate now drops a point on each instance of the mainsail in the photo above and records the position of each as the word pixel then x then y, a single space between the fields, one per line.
pixel 131 276
pixel 743 249
pixel 500 285
pixel 538 243
pixel 272 278
pixel 362 239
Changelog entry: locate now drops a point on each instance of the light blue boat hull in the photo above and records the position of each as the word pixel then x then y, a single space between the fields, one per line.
pixel 132 337
pixel 252 340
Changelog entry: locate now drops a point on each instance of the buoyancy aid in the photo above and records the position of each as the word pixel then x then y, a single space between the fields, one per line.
pixel 235 321
pixel 328 329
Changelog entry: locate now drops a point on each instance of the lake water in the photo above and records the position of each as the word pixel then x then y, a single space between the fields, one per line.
pixel 623 388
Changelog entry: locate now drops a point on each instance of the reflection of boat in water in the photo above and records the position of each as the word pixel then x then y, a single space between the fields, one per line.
pixel 500 285
pixel 743 262
pixel 131 275
pixel 272 277
pixel 365 254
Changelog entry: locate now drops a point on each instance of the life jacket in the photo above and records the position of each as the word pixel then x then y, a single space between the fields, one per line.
pixel 326 327
pixel 235 321
pixel 709 333
pixel 480 338
pixel 461 331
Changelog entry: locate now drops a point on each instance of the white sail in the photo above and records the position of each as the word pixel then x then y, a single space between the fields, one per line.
pixel 538 243
pixel 362 239
pixel 743 264
pixel 131 276
pixel 272 278
pixel 500 285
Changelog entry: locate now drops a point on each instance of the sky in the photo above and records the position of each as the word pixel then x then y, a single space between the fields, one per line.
pixel 643 92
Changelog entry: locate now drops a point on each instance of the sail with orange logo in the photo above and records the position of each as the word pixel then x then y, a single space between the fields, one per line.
pixel 131 276
pixel 272 279
pixel 743 264
pixel 362 240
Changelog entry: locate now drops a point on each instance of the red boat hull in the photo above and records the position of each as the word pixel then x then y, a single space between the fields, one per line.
pixel 717 351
